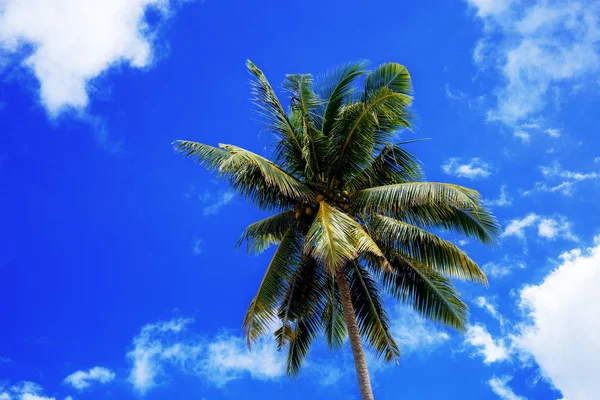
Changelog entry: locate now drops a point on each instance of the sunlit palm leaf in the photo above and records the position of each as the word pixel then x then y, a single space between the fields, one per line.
pixel 427 248
pixel 252 175
pixel 260 235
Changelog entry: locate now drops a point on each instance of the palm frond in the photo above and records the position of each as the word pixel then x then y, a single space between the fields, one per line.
pixel 304 103
pixel 288 150
pixel 333 321
pixel 363 128
pixel 429 293
pixel 336 238
pixel 299 313
pixel 393 165
pixel 392 76
pixel 264 307
pixel 336 87
pixel 370 314
pixel 429 249
pixel 330 237
pixel 203 154
pixel 429 204
pixel 260 235
pixel 262 180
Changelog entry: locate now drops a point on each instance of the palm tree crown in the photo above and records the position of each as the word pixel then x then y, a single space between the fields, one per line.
pixel 351 205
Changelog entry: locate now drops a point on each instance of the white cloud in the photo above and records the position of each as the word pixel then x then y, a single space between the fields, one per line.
pixel 536 47
pixel 474 169
pixel 68 43
pixel 24 390
pixel 561 333
pixel 524 136
pixel 454 94
pixel 155 346
pixel 502 268
pixel 197 246
pixel 413 333
pixel 484 303
pixel 547 228
pixel 165 346
pixel 504 199
pixel 216 205
pixel 501 388
pixel 82 380
pixel 492 350
pixel 228 358
pixel 517 226
pixel 563 180
pixel 553 132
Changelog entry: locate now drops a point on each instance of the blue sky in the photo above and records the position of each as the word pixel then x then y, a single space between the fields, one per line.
pixel 119 278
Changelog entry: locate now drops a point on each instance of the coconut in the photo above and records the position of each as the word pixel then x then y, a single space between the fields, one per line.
pixel 298 214
pixel 319 198
pixel 308 210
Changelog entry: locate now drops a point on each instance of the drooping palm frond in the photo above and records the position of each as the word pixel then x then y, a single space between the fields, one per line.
pixel 330 237
pixel 332 320
pixel 203 154
pixel 262 180
pixel 260 235
pixel 263 308
pixel 429 249
pixel 336 238
pixel 300 312
pixel 430 204
pixel 429 293
pixel 370 315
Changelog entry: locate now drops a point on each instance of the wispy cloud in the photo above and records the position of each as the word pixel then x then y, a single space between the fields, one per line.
pixel 547 227
pixel 503 200
pixel 500 386
pixel 24 390
pixel 169 345
pixel 413 333
pixel 474 169
pixel 502 268
pixel 217 204
pixel 491 308
pixel 84 379
pixel 75 41
pixel 536 47
pixel 560 180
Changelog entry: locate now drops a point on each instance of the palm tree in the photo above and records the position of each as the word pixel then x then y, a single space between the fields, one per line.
pixel 352 215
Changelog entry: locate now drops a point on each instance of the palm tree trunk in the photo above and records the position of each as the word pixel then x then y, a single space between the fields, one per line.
pixel 360 362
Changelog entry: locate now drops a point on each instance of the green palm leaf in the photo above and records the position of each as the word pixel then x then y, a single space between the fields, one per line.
pixel 337 87
pixel 260 235
pixel 370 314
pixel 427 248
pixel 429 293
pixel 263 308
